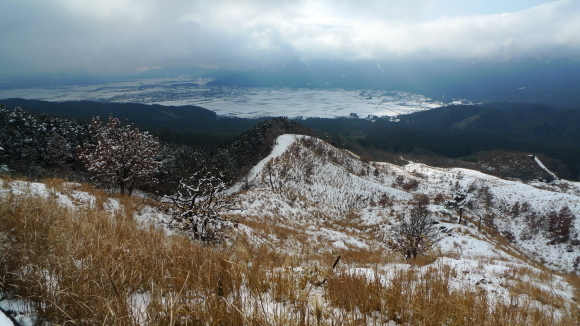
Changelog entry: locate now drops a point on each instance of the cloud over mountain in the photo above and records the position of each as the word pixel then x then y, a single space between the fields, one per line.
pixel 122 36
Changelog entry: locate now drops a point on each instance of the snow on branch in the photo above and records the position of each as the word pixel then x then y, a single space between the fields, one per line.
pixel 199 205
pixel 120 155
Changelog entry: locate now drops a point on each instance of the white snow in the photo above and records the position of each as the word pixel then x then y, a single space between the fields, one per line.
pixel 281 145
pixel 24 316
pixel 544 167
pixel 138 302
pixel 5 321
pixel 329 201
pixel 237 101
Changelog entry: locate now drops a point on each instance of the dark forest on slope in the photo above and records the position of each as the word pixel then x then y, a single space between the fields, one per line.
pixel 193 137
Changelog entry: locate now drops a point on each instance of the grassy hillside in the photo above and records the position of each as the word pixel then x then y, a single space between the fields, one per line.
pixel 72 255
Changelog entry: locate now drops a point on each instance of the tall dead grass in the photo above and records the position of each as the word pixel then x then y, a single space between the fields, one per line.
pixel 83 266
pixel 414 298
pixel 88 266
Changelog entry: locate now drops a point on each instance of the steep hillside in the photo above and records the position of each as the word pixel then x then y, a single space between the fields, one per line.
pixel 314 246
pixel 343 202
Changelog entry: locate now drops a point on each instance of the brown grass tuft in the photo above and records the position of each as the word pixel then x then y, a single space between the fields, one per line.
pixel 87 266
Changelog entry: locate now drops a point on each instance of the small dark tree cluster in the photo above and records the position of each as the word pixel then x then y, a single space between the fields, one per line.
pixel 255 144
pixel 458 204
pixel 560 224
pixel 179 162
pixel 31 140
pixel 407 185
pixel 198 207
pixel 488 220
pixel 416 234
pixel 120 155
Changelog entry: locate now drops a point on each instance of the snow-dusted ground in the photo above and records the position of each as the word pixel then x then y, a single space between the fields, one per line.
pixel 335 199
pixel 236 101
pixel 5 321
pixel 317 180
pixel 327 200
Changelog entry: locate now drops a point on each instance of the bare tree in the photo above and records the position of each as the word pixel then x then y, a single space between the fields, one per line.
pixel 415 234
pixel 199 205
pixel 120 155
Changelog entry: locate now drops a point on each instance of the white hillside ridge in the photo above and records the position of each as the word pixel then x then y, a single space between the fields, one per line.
pixel 280 145
pixel 444 180
pixel 509 190
pixel 544 167
pixel 326 200
pixel 317 185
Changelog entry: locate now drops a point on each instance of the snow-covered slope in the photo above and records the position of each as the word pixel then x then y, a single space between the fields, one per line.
pixel 308 195
pixel 519 211
pixel 309 199
pixel 344 203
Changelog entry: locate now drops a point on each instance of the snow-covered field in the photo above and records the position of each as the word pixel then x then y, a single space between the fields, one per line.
pixel 237 101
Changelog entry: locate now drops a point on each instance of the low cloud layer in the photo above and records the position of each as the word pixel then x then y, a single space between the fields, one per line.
pixel 122 36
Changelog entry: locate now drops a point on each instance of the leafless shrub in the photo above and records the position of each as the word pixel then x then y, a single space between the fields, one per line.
pixel 386 201
pixel 559 225
pixel 439 199
pixel 515 209
pixel 489 221
pixel 199 205
pixel 411 185
pixel 416 234
pixel 485 195
pixel 407 185
pixel 508 235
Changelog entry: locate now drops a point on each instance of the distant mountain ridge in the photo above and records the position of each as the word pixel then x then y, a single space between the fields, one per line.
pixel 534 81
pixel 184 118
pixel 517 119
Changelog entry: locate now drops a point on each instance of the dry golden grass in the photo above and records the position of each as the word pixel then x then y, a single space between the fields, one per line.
pixel 574 280
pixel 82 266
pixel 85 266
pixel 427 299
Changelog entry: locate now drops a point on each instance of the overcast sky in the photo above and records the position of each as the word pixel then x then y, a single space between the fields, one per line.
pixel 119 36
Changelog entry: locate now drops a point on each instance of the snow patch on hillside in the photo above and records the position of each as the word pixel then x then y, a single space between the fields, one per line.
pixel 344 203
pixel 309 196
pixel 544 167
pixel 281 145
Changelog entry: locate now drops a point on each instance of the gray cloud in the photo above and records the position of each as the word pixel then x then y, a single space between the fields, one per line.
pixel 119 36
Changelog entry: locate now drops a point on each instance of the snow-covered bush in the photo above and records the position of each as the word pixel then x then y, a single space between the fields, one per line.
pixel 560 224
pixel 120 155
pixel 30 140
pixel 198 207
